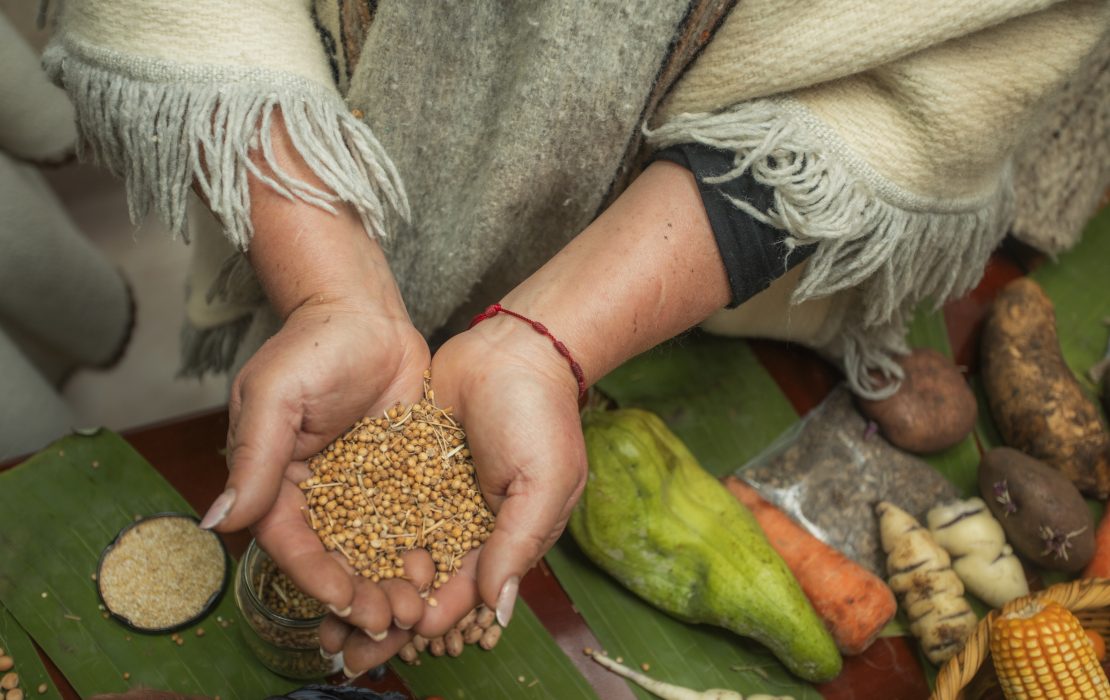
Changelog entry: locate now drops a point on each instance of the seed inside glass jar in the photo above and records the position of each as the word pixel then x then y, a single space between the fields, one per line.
pixel 278 593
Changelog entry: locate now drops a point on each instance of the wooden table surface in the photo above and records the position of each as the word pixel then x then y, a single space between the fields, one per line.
pixel 187 451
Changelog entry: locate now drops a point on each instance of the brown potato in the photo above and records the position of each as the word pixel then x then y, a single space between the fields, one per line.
pixel 1045 518
pixel 1035 400
pixel 933 410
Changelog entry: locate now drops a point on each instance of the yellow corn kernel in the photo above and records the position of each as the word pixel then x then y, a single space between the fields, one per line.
pixel 1041 651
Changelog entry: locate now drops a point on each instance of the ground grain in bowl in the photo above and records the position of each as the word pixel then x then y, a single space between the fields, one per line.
pixel 162 573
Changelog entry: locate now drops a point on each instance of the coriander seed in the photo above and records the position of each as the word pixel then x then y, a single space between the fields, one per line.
pixel 395 483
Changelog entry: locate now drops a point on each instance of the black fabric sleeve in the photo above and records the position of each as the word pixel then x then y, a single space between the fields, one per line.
pixel 753 252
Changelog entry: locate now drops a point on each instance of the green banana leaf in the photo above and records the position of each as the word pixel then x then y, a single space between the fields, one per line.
pixel 526 651
pixel 712 392
pixel 716 396
pixel 1079 287
pixel 16 644
pixel 57 512
pixel 725 406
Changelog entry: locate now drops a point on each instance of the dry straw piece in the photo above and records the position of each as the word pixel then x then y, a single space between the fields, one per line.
pixel 162 572
pixel 396 483
pixel 967 676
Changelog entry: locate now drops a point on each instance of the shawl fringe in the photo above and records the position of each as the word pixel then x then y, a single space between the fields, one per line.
pixel 157 124
pixel 893 248
pixel 211 350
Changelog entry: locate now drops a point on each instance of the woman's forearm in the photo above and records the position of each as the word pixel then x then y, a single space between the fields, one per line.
pixel 304 255
pixel 646 270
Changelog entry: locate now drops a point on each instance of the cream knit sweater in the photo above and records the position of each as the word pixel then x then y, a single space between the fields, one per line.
pixel 887 128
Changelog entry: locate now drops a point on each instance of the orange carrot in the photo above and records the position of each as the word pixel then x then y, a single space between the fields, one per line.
pixel 854 604
pixel 1100 562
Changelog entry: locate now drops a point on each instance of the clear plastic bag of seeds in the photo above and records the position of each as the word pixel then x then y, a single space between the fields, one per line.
pixel 830 470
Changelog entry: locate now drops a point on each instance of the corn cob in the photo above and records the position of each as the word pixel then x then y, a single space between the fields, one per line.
pixel 1041 651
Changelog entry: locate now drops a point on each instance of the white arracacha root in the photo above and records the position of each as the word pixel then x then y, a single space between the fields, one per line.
pixel 922 578
pixel 668 691
pixel 980 555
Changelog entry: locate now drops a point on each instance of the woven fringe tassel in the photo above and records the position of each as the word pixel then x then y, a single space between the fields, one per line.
pixel 894 249
pixel 163 136
pixel 214 349
pixel 211 350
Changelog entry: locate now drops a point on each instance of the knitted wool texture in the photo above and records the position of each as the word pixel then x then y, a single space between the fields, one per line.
pixel 1063 174
pixel 896 160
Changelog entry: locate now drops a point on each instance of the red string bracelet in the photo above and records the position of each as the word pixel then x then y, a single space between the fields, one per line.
pixel 494 309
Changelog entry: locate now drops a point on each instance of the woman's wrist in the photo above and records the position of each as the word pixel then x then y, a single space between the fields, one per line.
pixel 646 270
pixel 307 256
pixel 514 338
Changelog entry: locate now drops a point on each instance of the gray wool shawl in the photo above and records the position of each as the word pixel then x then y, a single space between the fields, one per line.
pixel 509 123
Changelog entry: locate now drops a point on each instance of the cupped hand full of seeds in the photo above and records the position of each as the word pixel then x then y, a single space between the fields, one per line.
pixel 401 481
pixel 520 410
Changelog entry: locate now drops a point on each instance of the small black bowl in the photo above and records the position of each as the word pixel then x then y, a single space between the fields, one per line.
pixel 204 611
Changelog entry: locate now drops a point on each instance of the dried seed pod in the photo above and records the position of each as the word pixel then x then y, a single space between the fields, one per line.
pixel 437 647
pixel 473 634
pixel 409 654
pixel 9 681
pixel 453 641
pixel 485 617
pixel 419 643
pixel 490 637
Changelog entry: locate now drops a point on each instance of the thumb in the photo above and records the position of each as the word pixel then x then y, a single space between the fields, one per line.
pixel 262 434
pixel 527 525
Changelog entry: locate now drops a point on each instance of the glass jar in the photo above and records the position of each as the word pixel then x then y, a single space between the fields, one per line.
pixel 288 647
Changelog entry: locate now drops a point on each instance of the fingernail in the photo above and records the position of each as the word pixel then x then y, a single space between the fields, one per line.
pixel 377 636
pixel 350 675
pixel 218 510
pixel 506 600
pixel 398 625
pixel 340 613
pixel 327 655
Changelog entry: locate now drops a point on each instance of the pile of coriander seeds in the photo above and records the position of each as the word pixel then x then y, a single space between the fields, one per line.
pixel 398 482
